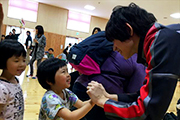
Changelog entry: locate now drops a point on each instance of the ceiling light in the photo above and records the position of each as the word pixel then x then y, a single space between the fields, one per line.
pixel 89 7
pixel 175 15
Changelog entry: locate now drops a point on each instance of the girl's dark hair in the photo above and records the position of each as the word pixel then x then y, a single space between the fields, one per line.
pixel 47 70
pixel 9 48
pixel 40 30
pixel 139 19
pixel 96 28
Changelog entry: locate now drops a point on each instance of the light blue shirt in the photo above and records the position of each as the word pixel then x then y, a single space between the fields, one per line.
pixel 51 103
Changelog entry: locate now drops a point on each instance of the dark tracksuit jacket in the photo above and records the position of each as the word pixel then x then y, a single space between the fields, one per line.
pixel 161 52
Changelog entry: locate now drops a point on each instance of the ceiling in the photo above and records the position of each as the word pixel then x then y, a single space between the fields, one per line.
pixel 161 8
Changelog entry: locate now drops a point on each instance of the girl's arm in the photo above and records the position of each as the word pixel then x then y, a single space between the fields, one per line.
pixel 80 103
pixel 85 107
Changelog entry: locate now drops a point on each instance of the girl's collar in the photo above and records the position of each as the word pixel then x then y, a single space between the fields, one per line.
pixel 5 80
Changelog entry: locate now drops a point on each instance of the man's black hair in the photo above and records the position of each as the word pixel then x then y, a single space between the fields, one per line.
pixel 139 19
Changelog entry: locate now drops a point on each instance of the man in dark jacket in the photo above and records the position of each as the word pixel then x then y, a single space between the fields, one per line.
pixel 15 36
pixel 28 44
pixel 133 30
pixel 8 36
pixel 66 50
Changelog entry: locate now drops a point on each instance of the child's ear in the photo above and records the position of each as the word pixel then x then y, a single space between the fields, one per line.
pixel 49 83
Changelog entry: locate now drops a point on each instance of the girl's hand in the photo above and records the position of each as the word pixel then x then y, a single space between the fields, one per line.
pixel 35 41
pixel 97 93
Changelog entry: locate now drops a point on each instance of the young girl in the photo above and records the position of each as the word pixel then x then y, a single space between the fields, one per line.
pixel 54 77
pixel 12 63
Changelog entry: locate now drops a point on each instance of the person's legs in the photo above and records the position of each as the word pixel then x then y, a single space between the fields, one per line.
pixel 38 62
pixel 31 65
pixel 27 56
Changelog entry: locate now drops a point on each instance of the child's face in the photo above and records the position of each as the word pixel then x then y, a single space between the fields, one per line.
pixel 50 52
pixel 16 65
pixel 62 78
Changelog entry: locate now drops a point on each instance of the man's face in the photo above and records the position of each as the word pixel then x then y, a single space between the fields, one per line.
pixel 13 31
pixel 125 48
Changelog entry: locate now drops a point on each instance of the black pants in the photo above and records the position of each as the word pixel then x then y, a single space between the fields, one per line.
pixel 96 113
pixel 31 64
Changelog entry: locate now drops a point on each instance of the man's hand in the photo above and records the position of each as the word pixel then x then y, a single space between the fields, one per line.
pixel 97 93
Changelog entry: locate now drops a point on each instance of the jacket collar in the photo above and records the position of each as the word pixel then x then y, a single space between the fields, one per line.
pixel 141 57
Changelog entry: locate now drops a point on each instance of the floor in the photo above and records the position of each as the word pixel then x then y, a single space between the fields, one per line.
pixel 33 93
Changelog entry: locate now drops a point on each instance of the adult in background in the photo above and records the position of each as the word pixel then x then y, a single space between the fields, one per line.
pixel 15 36
pixel 2 37
pixel 38 52
pixel 28 44
pixel 133 31
pixel 96 30
pixel 66 50
pixel 8 36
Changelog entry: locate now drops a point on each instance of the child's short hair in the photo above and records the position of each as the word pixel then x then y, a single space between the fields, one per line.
pixel 47 70
pixel 51 49
pixel 9 48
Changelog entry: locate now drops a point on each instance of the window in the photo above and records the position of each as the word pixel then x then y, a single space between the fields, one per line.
pixel 78 21
pixel 23 9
